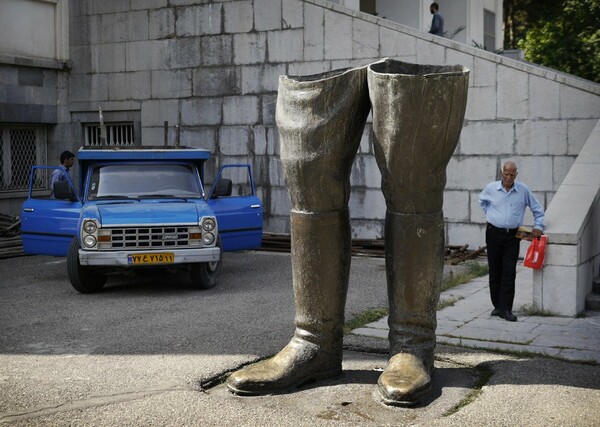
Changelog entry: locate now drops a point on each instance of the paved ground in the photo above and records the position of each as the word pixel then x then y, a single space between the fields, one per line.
pixel 468 323
pixel 152 351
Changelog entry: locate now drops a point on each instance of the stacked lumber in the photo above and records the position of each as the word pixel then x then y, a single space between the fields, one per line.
pixel 275 242
pixel 281 243
pixel 10 236
pixel 457 254
pixel 368 247
pixel 371 247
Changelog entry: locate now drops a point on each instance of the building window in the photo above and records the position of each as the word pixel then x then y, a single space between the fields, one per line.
pixel 38 28
pixel 489 30
pixel 22 147
pixel 117 135
pixel 368 6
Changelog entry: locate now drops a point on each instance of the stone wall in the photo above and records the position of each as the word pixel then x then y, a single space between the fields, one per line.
pixel 573 253
pixel 31 92
pixel 214 68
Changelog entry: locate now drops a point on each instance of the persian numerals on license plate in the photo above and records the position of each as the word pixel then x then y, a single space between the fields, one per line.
pixel 155 258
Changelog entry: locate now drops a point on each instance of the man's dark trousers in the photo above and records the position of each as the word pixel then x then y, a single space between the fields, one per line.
pixel 502 253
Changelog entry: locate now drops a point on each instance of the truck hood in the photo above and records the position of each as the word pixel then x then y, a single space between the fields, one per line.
pixel 148 213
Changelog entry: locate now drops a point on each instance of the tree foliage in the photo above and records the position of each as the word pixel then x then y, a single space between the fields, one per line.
pixel 522 15
pixel 560 34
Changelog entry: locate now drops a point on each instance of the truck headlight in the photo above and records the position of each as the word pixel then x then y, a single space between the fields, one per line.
pixel 208 238
pixel 89 233
pixel 208 224
pixel 90 227
pixel 89 241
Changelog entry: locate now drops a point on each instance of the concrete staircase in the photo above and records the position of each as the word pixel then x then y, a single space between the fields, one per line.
pixel 592 301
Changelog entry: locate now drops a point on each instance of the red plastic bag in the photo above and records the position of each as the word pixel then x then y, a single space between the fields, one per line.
pixel 534 258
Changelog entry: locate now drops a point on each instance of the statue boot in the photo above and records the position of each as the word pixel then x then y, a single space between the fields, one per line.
pixel 320 120
pixel 418 112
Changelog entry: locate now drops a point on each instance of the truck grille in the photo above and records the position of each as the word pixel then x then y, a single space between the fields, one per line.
pixel 147 238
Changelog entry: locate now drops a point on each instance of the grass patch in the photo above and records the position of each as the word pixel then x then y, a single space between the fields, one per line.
pixel 494 341
pixel 533 310
pixel 524 354
pixel 448 302
pixel 474 269
pixel 367 316
pixel 484 372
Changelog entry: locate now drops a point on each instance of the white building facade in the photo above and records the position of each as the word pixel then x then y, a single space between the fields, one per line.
pixel 476 23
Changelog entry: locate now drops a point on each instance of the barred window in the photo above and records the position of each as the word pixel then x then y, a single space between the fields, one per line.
pixel 22 147
pixel 117 135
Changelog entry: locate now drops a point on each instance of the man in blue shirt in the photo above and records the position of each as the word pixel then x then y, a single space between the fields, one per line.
pixel 504 203
pixel 60 174
pixel 437 22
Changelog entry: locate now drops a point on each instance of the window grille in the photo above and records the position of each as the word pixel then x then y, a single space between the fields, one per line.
pixel 117 135
pixel 22 147
pixel 489 30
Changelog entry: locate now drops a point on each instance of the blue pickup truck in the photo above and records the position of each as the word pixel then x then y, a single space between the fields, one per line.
pixel 139 208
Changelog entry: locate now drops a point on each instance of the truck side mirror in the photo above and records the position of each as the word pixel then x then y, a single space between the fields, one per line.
pixel 223 188
pixel 62 190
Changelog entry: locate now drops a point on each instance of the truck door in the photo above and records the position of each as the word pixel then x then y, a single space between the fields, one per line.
pixel 48 224
pixel 239 211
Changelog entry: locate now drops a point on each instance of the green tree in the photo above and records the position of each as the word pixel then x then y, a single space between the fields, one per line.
pixel 521 15
pixel 564 36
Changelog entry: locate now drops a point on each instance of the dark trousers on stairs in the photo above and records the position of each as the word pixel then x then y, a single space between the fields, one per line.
pixel 502 255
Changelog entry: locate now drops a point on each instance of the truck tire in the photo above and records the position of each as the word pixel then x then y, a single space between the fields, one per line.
pixel 82 278
pixel 205 275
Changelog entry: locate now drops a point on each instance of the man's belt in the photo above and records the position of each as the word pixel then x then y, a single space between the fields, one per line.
pixel 503 229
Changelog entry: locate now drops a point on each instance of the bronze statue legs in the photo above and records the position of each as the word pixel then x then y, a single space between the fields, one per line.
pixel 418 111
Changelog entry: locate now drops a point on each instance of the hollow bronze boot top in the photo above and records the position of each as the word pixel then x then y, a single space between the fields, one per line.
pixel 395 67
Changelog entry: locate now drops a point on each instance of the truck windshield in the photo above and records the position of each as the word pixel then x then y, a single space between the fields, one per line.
pixel 144 181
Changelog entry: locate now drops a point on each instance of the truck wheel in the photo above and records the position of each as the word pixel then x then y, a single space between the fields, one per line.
pixel 205 275
pixel 82 278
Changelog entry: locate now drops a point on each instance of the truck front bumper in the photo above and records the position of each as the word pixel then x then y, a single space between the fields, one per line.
pixel 125 259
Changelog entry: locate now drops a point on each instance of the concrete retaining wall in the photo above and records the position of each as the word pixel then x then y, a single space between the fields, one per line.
pixel 573 251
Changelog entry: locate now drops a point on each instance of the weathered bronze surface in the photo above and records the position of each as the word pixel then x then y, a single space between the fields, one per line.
pixel 320 120
pixel 418 111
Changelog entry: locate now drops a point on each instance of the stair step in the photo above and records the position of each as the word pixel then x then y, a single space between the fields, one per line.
pixel 592 302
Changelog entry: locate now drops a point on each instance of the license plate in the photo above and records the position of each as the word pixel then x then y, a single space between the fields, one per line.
pixel 155 258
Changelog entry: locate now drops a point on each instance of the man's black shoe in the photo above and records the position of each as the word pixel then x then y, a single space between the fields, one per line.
pixel 496 312
pixel 507 315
